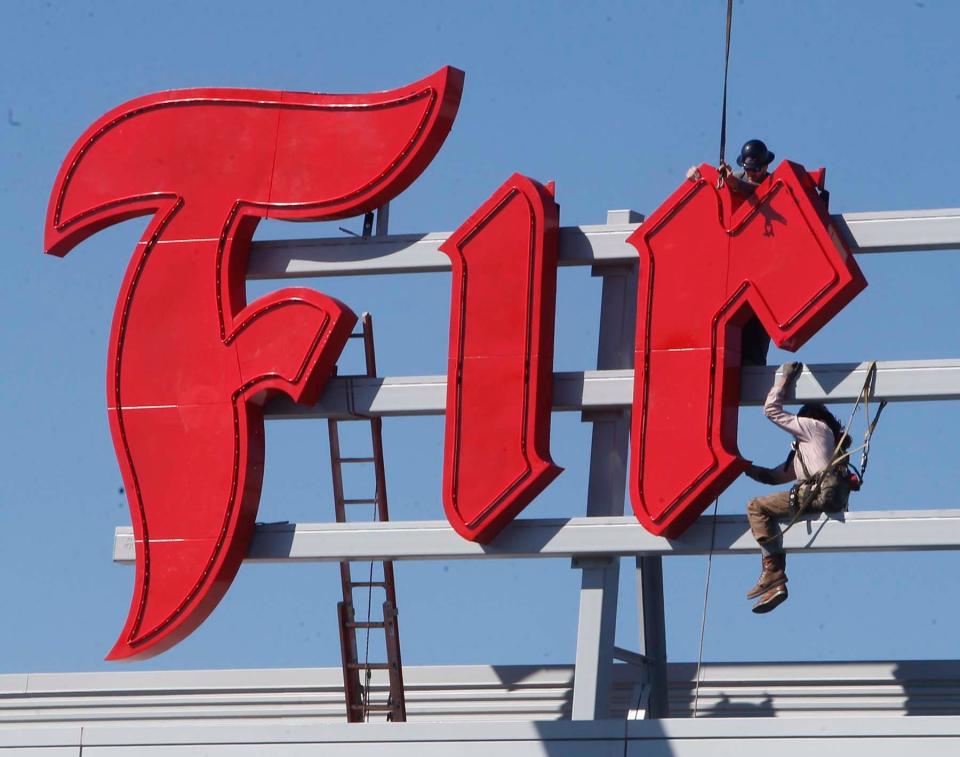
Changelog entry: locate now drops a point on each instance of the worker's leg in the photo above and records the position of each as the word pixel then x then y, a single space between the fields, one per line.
pixel 762 513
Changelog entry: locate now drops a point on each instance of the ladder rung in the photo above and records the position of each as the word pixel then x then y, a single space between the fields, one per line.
pixel 369 666
pixel 357 335
pixel 374 707
pixel 356 459
pixel 366 624
pixel 368 583
pixel 360 501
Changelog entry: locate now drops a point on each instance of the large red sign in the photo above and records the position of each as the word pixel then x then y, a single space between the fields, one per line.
pixel 709 259
pixel 191 363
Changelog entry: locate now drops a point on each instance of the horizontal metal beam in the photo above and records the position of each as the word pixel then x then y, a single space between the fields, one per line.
pixel 909 530
pixel 903 230
pixel 897 381
pixel 417 253
pixel 469 692
pixel 829 734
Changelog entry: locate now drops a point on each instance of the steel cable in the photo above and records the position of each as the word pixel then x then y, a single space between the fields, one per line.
pixel 706 596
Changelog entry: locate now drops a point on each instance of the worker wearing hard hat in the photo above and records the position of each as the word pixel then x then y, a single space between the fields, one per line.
pixel 754 158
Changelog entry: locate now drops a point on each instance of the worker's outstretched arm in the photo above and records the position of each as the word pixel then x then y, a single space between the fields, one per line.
pixel 773 406
pixel 773 476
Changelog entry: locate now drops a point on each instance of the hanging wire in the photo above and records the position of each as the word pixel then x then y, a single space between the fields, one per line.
pixel 716 504
pixel 706 596
pixel 726 69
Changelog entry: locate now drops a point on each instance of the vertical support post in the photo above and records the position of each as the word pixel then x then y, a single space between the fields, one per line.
pixel 605 495
pixel 383 220
pixel 382 216
pixel 653 632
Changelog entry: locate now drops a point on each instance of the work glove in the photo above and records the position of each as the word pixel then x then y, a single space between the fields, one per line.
pixel 693 173
pixel 790 370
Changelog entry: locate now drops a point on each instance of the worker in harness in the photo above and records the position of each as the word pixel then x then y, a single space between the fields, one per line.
pixel 754 158
pixel 817 462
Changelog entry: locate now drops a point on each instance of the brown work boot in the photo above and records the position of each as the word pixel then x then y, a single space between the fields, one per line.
pixel 773 574
pixel 772 599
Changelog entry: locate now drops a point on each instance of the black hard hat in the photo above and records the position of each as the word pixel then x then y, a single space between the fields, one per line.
pixel 754 155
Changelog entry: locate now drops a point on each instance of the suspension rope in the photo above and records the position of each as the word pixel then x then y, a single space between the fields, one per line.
pixel 726 69
pixel 871 424
pixel 703 615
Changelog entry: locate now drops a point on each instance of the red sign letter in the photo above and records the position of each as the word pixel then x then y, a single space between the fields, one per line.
pixel 707 260
pixel 500 364
pixel 190 362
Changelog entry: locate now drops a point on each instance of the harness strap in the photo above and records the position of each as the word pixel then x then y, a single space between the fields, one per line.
pixel 811 492
pixel 872 424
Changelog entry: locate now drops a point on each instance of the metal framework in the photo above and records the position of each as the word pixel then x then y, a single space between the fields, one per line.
pixel 596 542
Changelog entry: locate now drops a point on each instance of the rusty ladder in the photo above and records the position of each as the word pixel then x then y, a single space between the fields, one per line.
pixel 357 691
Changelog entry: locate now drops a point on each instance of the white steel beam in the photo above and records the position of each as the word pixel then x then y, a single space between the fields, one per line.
pixel 417 253
pixel 879 531
pixel 896 230
pixel 606 493
pixel 897 381
pixel 652 628
pixel 886 231
pixel 828 735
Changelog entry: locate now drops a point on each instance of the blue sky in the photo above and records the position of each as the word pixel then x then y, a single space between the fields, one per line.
pixel 611 100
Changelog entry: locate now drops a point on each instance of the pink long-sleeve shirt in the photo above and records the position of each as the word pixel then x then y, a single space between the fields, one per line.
pixel 814 438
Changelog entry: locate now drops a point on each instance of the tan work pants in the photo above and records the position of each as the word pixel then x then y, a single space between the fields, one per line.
pixel 763 512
